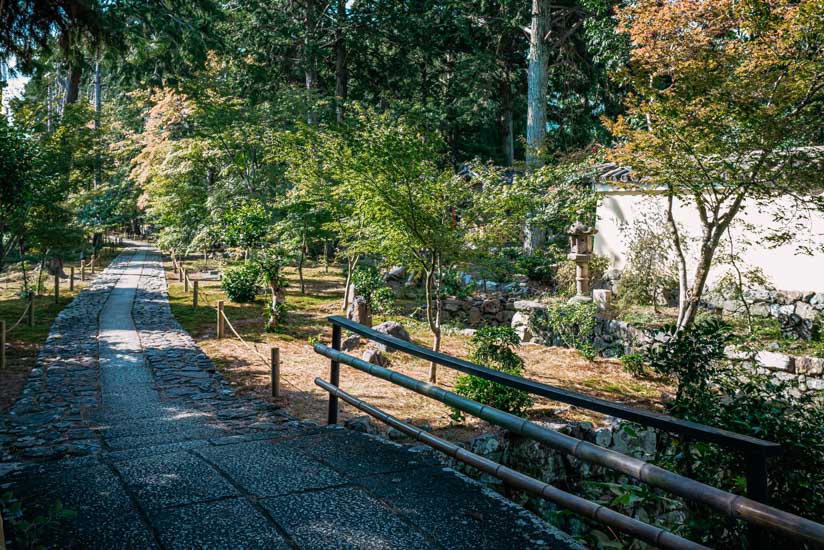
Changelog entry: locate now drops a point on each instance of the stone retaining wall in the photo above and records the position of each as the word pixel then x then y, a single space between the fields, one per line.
pixel 771 303
pixel 480 311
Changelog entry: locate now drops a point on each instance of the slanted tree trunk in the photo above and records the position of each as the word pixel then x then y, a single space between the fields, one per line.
pixel 433 315
pixel 537 78
pixel 351 264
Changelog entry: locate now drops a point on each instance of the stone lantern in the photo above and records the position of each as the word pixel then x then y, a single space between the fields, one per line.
pixel 581 244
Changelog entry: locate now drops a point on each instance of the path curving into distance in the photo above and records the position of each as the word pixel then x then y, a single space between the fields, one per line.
pixel 126 422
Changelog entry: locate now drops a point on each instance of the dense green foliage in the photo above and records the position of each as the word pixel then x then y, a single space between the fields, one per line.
pixel 572 323
pixel 240 282
pixel 711 392
pixel 494 348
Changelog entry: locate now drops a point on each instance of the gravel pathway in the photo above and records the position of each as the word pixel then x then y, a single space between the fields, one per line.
pixel 126 422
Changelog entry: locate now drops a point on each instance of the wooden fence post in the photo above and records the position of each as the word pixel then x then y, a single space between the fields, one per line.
pixel 31 310
pixel 82 270
pixel 275 372
pixel 220 323
pixel 185 282
pixel 194 293
pixel 2 344
pixel 93 258
pixel 71 278
pixel 180 273
pixel 57 288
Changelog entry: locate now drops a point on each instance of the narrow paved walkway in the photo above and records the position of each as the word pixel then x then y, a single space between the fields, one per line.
pixel 126 422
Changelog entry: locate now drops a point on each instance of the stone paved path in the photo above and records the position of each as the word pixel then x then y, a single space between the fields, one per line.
pixel 126 422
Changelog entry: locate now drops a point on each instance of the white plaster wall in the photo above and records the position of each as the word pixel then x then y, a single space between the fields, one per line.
pixel 785 266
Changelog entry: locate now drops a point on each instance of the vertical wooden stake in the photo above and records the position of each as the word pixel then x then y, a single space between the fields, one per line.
pixel 30 319
pixel 275 372
pixel 57 288
pixel 220 324
pixel 185 282
pixel 194 294
pixel 2 344
pixel 71 278
pixel 180 273
pixel 82 270
pixel 93 258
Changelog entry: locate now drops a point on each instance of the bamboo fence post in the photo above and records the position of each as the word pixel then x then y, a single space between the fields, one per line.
pixel 220 323
pixel 275 372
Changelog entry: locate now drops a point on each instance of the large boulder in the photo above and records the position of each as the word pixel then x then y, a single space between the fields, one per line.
pixel 391 328
pixel 359 311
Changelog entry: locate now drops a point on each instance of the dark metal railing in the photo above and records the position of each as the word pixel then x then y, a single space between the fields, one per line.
pixel 755 450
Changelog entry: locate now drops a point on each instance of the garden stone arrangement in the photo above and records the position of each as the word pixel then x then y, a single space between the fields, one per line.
pixel 126 424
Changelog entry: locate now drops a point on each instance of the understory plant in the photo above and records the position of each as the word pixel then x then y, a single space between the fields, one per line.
pixel 573 323
pixel 369 283
pixel 240 282
pixel 270 265
pixel 494 348
pixel 711 391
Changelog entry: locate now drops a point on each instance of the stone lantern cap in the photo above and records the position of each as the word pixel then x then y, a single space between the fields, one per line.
pixel 580 228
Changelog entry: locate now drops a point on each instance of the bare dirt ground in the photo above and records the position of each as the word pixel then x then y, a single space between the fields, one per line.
pixel 300 365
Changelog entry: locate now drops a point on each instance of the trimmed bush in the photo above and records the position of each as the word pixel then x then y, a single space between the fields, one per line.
pixel 240 283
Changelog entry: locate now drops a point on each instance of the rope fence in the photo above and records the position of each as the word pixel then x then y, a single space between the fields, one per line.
pixel 28 311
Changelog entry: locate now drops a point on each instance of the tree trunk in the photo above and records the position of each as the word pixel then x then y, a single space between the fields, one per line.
pixel 309 67
pixel 537 77
pixel 341 73
pixel 73 83
pixel 433 319
pixel 507 134
pixel 351 263
pixel 98 107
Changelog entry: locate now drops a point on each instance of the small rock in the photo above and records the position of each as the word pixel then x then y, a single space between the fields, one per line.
pixel 361 424
pixel 350 343
pixel 391 328
pixel 375 357
pixel 775 361
pixel 359 311
pixel 395 434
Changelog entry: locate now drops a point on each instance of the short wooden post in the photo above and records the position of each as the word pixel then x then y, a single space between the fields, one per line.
pixel 71 278
pixel 93 258
pixel 185 282
pixel 57 288
pixel 220 322
pixel 180 274
pixel 30 318
pixel 82 270
pixel 2 344
pixel 194 293
pixel 275 372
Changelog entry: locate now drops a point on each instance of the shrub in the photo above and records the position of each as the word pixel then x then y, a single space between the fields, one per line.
pixel 541 265
pixel 276 313
pixel 650 276
pixel 369 283
pixel 240 283
pixel 573 324
pixel 714 393
pixel 565 274
pixel 634 364
pixel 453 285
pixel 494 347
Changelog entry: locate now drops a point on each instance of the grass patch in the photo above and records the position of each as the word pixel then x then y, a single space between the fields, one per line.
pixel 24 342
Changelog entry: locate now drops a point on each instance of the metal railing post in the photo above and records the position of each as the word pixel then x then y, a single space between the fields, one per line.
pixel 275 372
pixel 220 322
pixel 71 278
pixel 757 489
pixel 194 293
pixel 334 377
